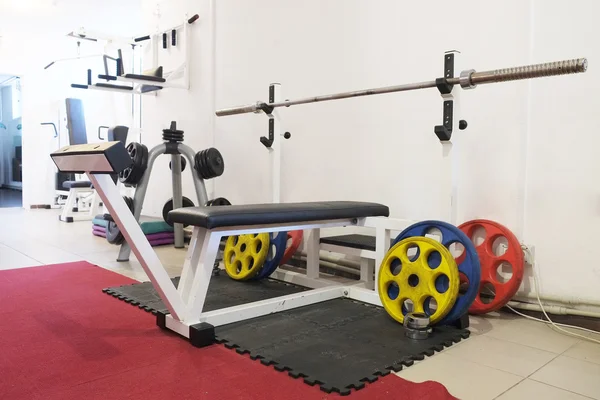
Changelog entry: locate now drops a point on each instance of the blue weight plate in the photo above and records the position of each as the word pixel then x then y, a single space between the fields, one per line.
pixel 469 266
pixel 279 240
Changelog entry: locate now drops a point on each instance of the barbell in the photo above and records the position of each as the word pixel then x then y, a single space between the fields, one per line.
pixel 468 79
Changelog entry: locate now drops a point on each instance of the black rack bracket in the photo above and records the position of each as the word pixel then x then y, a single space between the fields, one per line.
pixel 268 142
pixel 444 131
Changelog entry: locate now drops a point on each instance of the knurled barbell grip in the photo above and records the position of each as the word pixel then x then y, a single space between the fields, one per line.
pixel 237 110
pixel 564 67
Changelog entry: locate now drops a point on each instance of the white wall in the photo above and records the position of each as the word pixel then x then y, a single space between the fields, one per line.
pixel 33 34
pixel 354 45
pixel 563 197
pixel 514 166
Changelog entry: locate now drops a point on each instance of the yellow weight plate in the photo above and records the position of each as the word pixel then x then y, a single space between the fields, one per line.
pixel 245 255
pixel 418 270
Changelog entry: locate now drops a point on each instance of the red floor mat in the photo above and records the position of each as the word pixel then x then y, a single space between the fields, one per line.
pixel 62 338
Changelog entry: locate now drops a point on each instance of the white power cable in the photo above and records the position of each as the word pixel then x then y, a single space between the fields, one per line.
pixel 549 321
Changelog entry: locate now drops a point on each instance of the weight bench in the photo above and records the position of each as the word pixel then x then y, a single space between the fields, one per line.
pixel 82 204
pixel 185 303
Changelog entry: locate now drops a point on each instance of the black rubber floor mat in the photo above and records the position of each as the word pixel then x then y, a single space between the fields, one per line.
pixel 222 292
pixel 339 344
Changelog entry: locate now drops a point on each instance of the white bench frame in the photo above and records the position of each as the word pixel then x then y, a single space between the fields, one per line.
pixel 369 260
pixel 186 303
pixel 87 203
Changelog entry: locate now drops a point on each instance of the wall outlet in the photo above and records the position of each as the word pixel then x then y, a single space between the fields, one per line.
pixel 529 253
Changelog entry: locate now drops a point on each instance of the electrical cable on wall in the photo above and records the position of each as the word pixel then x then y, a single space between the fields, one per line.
pixel 548 321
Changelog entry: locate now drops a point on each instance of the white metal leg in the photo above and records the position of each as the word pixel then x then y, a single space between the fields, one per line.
pixel 364 295
pixel 68 207
pixel 191 263
pixel 275 150
pixel 382 245
pixel 312 259
pixel 86 201
pixel 449 159
pixel 256 309
pixel 140 246
pixel 367 272
pixel 349 251
pixel 208 254
pixel 95 207
pixel 301 279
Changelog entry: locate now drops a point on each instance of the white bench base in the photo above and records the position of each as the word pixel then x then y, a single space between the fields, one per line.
pixel 186 302
pixel 87 202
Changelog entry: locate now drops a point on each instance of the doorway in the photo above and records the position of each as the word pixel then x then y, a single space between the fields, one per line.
pixel 11 149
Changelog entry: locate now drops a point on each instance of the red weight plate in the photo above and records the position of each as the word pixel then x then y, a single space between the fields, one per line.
pixel 490 263
pixel 296 239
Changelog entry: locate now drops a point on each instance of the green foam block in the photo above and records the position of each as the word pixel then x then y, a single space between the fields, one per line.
pixel 99 221
pixel 149 225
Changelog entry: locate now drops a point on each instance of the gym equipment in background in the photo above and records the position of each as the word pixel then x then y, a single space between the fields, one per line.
pixel 294 240
pixel 468 263
pixel 418 275
pixel 219 201
pixel 137 174
pixel 277 242
pixel 496 246
pixel 152 79
pixel 157 231
pixel 81 202
pixel 245 255
pixel 76 121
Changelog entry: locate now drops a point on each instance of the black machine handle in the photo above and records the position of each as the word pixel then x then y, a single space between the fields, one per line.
pixel 53 125
pixel 142 38
pixel 191 20
pixel 99 129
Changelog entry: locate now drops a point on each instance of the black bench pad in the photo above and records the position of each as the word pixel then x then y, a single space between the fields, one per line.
pixel 264 214
pixel 77 184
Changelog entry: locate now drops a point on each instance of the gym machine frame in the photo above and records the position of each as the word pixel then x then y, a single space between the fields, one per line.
pixel 185 303
pixel 178 78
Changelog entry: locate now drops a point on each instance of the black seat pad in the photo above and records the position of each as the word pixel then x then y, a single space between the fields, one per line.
pixel 263 214
pixel 77 184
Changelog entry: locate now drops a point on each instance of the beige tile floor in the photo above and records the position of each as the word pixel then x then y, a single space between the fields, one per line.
pixel 506 358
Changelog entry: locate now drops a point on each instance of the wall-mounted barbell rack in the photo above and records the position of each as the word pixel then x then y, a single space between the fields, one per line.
pixel 468 79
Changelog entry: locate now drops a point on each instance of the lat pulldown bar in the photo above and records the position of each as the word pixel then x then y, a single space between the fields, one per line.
pixel 468 79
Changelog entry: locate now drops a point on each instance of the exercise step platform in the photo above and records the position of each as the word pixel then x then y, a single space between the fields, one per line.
pixel 355 241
